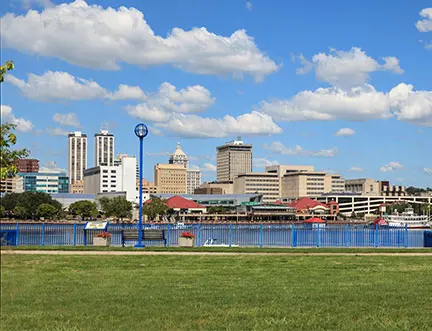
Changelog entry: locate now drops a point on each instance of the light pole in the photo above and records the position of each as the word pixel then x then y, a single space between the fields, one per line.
pixel 141 131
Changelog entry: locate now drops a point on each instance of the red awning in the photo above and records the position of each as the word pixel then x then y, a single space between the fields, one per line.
pixel 314 220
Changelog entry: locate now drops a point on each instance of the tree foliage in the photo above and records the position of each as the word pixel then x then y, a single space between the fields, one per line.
pixel 84 209
pixel 2 211
pixel 215 209
pixel 20 212
pixel 117 207
pixel 27 204
pixel 46 210
pixel 156 207
pixel 8 156
pixel 9 65
pixel 411 190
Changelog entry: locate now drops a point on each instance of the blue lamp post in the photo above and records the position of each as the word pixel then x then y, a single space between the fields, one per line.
pixel 141 131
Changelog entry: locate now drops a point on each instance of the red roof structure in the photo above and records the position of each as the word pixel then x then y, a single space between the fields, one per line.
pixel 314 220
pixel 380 221
pixel 177 202
pixel 307 203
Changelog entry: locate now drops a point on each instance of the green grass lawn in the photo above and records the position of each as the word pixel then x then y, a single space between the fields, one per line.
pixel 246 292
pixel 301 250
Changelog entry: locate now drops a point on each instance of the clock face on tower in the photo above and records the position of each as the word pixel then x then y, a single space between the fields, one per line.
pixel 141 130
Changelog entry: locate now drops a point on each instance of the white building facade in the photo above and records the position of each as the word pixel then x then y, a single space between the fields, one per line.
pixel 118 178
pixel 77 156
pixel 104 148
pixel 193 178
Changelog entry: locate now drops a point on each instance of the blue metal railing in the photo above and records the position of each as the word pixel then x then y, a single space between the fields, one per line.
pixel 254 235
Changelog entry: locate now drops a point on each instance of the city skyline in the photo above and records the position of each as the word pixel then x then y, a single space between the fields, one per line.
pixel 354 99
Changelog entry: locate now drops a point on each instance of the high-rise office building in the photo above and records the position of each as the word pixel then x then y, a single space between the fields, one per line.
pixel 179 157
pixel 27 165
pixel 233 158
pixel 193 178
pixel 104 148
pixel 116 178
pixel 170 178
pixel 77 160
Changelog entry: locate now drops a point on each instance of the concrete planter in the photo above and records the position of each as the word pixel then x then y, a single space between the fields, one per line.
pixel 186 242
pixel 98 241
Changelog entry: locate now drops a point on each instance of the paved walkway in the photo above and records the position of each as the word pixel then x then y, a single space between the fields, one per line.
pixel 49 252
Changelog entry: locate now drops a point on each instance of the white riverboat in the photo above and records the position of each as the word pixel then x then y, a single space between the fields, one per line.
pixel 212 242
pixel 408 219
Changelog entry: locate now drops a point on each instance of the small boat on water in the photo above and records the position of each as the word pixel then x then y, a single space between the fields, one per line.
pixel 408 219
pixel 212 242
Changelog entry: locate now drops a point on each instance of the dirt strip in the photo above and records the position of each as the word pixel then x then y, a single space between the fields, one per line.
pixel 47 252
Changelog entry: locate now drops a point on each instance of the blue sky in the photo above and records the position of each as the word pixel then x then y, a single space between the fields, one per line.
pixel 345 86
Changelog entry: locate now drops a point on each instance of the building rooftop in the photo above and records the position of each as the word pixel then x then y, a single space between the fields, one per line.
pixel 60 174
pixel 178 151
pixel 73 196
pixel 210 196
pixel 182 203
pixel 306 203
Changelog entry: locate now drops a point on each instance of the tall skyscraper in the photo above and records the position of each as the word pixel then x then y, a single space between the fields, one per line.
pixel 104 148
pixel 77 161
pixel 179 157
pixel 233 158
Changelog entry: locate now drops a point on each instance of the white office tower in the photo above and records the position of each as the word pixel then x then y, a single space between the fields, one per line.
pixel 104 148
pixel 127 177
pixel 179 157
pixel 116 178
pixel 233 158
pixel 77 156
pixel 193 180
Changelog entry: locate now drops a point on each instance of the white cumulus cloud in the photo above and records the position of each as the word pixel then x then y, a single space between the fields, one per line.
pixel 126 92
pixel 355 104
pixel 249 5
pixel 262 163
pixel 345 132
pixel 60 85
pixel 69 119
pixel 208 167
pixel 57 85
pixel 391 166
pixel 347 68
pixel 425 25
pixel 358 103
pixel 428 171
pixel 279 148
pixel 355 169
pixel 57 132
pixel 51 166
pixel 192 99
pixel 254 123
pixel 410 105
pixel 93 36
pixel 7 116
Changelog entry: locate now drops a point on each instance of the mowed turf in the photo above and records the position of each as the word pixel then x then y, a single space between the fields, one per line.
pixel 246 292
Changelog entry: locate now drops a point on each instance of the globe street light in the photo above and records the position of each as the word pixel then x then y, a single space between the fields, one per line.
pixel 141 131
